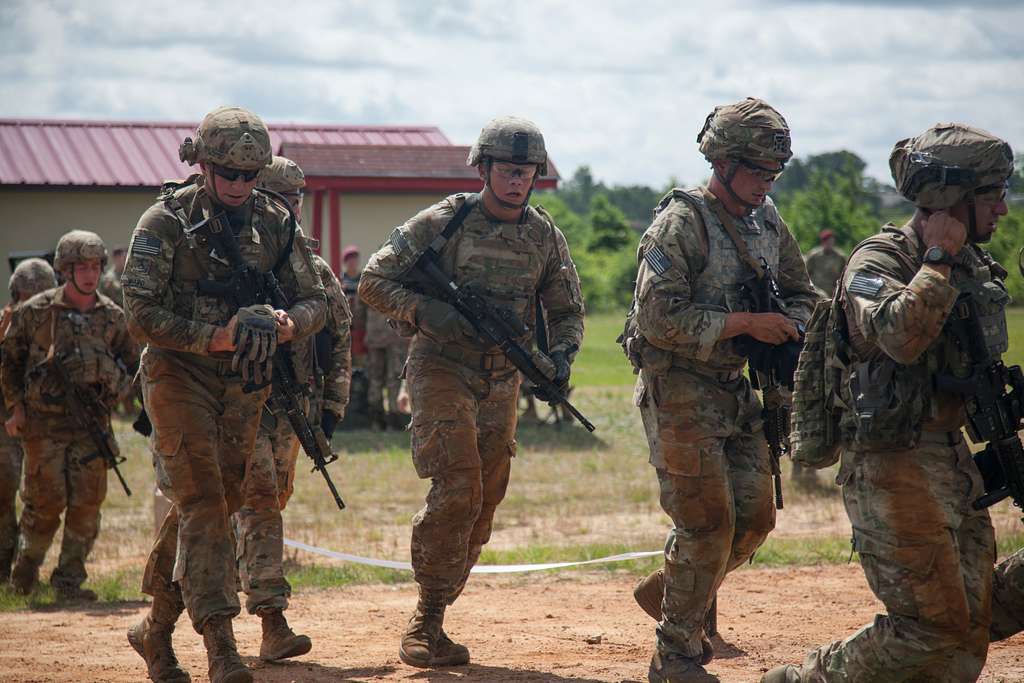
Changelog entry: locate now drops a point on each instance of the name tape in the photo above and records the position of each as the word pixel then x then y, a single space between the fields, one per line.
pixel 479 569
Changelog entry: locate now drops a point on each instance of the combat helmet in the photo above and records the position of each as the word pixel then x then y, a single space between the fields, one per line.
pixel 31 276
pixel 231 137
pixel 947 163
pixel 749 129
pixel 513 139
pixel 79 245
pixel 282 175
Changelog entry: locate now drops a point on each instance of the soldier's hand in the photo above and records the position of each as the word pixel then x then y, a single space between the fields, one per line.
pixel 224 337
pixel 16 421
pixel 285 327
pixel 441 322
pixel 772 328
pixel 942 230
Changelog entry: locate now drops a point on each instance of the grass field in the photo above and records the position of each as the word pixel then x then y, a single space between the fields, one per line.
pixel 573 496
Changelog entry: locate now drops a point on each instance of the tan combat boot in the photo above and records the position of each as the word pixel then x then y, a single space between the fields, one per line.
pixel 649 593
pixel 279 640
pixel 153 643
pixel 672 668
pixel 787 673
pixel 222 655
pixel 424 643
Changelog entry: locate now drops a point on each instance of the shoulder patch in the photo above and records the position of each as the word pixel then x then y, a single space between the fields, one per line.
pixel 865 285
pixel 398 241
pixel 145 244
pixel 657 260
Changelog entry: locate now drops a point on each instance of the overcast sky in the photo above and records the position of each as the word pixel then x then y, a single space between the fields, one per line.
pixel 621 86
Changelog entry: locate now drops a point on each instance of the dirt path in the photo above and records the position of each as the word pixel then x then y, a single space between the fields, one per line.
pixel 552 628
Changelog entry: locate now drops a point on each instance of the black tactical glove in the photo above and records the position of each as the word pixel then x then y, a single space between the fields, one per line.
pixel 255 344
pixel 328 423
pixel 441 322
pixel 784 361
pixel 142 425
pixel 560 362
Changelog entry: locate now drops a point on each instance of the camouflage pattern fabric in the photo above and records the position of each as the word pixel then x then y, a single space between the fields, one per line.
pixel 1008 598
pixel 110 286
pixel 10 478
pixel 339 324
pixel 204 426
pixel 386 354
pixel 824 266
pixel 464 402
pixel 231 137
pixel 56 482
pixel 927 554
pixel 700 415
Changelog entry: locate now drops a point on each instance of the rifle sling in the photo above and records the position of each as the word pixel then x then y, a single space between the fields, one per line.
pixel 439 243
pixel 730 229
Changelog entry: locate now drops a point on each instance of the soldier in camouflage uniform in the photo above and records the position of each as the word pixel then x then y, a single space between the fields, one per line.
pixel 202 349
pixel 908 477
pixel 386 353
pixel 463 390
pixel 703 420
pixel 110 283
pixel 277 445
pixel 31 276
pixel 825 264
pixel 87 331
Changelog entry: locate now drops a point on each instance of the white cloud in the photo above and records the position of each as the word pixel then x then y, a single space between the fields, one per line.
pixel 622 87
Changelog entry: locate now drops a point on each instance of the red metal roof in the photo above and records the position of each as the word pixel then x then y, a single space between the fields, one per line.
pixel 385 161
pixel 145 154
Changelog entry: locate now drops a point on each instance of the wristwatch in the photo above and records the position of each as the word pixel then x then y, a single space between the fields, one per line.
pixel 939 256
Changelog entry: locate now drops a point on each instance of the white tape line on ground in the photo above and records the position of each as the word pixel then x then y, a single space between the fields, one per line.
pixel 479 569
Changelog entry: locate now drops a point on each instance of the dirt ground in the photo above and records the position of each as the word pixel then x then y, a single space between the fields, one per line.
pixel 581 627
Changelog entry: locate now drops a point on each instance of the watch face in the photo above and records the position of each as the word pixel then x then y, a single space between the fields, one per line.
pixel 935 255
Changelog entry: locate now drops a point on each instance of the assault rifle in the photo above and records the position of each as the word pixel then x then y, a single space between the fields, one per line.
pixel 499 326
pixel 772 369
pixel 246 287
pixel 994 395
pixel 85 409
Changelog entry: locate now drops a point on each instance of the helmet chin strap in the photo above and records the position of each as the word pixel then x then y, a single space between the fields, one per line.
pixel 509 205
pixel 730 174
pixel 74 283
pixel 972 221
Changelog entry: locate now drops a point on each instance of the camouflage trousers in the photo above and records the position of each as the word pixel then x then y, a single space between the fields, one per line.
pixel 261 573
pixel 384 365
pixel 10 478
pixel 57 482
pixel 927 556
pixel 1008 598
pixel 463 439
pixel 714 471
pixel 204 436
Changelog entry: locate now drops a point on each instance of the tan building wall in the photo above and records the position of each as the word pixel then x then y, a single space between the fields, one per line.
pixel 34 219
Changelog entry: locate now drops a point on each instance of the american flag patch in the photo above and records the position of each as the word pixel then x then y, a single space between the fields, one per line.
pixel 865 285
pixel 657 260
pixel 146 245
pixel 398 241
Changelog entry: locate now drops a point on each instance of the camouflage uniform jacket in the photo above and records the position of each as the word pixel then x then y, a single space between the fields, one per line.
pixel 339 323
pixel 897 310
pixel 110 286
pixel 98 351
pixel 379 334
pixel 162 303
pixel 690 276
pixel 825 267
pixel 507 262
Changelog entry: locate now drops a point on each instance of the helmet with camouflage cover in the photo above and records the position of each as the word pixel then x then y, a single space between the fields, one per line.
pixel 282 175
pixel 231 137
pixel 79 245
pixel 947 163
pixel 510 138
pixel 749 129
pixel 31 276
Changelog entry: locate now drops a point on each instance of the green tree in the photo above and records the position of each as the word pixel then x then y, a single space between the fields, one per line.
pixel 609 229
pixel 833 201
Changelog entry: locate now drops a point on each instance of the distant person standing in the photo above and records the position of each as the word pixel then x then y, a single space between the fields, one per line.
pixel 386 352
pixel 110 281
pixel 825 263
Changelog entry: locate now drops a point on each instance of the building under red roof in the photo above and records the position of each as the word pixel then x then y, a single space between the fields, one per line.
pixel 362 180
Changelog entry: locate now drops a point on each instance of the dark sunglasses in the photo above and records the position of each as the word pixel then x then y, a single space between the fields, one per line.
pixel 233 174
pixel 767 174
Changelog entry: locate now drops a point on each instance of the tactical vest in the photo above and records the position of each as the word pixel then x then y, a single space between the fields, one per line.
pixel 718 286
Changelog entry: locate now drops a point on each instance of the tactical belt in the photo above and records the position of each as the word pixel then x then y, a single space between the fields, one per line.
pixel 476 360
pixel 941 438
pixel 690 365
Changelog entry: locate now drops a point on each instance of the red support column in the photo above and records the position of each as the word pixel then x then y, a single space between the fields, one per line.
pixel 334 207
pixel 318 219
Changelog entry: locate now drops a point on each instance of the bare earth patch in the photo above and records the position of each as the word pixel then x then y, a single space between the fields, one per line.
pixel 580 627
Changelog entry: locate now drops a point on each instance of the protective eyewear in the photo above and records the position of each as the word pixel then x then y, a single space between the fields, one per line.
pixel 509 171
pixel 769 175
pixel 991 194
pixel 233 174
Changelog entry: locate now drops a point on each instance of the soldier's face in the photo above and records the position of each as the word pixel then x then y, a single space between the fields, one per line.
pixel 230 187
pixel 989 207
pixel 509 182
pixel 753 180
pixel 87 275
